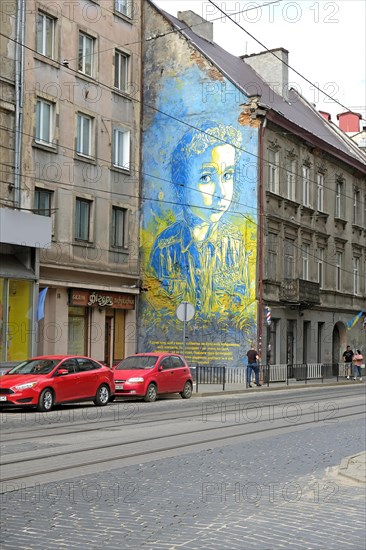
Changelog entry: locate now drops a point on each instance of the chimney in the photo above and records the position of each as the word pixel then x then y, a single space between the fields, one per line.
pixel 325 115
pixel 273 70
pixel 199 26
pixel 349 121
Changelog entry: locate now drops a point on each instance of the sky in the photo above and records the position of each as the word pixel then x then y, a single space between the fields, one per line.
pixel 326 42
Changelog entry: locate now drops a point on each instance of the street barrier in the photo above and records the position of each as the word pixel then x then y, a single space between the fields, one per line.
pixel 268 374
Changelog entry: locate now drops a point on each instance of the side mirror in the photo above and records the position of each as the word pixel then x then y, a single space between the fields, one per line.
pixel 160 368
pixel 62 372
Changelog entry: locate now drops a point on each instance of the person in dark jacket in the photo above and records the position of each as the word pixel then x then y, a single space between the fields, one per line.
pixel 253 359
pixel 347 358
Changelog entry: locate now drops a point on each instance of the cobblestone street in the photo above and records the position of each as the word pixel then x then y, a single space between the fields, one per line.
pixel 274 492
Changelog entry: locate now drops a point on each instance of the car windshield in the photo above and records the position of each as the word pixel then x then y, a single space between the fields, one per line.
pixel 138 362
pixel 35 366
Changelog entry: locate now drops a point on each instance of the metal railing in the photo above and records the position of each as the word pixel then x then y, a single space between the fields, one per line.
pixel 268 374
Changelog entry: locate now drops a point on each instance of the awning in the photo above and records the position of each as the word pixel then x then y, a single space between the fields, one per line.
pixel 12 268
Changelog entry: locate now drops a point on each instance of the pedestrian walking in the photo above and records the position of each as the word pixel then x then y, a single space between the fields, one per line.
pixel 253 359
pixel 347 358
pixel 357 364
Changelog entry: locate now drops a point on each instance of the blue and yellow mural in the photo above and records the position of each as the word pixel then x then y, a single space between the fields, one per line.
pixel 199 220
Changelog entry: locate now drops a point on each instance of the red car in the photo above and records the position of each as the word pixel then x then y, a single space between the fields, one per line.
pixel 149 374
pixel 45 381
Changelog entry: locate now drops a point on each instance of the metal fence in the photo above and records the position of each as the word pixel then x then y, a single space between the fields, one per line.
pixel 268 374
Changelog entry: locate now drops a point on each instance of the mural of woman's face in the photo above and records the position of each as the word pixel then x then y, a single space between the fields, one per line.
pixel 210 184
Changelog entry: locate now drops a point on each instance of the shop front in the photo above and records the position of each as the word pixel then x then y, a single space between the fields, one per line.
pixel 16 319
pixel 100 323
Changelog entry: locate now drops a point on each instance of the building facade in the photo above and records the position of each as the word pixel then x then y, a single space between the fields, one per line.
pixel 300 182
pixel 78 169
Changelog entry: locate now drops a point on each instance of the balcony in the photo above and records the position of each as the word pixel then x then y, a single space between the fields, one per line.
pixel 300 292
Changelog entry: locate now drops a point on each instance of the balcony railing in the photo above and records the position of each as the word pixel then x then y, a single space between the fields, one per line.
pixel 299 291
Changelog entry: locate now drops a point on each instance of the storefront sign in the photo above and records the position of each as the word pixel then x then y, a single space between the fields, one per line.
pixel 93 298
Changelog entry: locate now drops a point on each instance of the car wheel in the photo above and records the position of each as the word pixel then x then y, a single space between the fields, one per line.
pixel 187 390
pixel 46 400
pixel 103 396
pixel 151 393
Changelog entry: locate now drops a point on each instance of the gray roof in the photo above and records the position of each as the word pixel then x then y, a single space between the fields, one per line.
pixel 298 112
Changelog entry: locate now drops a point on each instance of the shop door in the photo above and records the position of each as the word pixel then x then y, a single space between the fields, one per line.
pixel 108 345
pixel 119 336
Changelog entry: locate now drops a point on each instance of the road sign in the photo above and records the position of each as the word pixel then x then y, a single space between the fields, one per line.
pixel 185 312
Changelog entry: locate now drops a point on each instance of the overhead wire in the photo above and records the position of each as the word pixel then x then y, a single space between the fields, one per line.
pixel 277 57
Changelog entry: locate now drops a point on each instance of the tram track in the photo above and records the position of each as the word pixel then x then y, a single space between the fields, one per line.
pixel 46 431
pixel 43 466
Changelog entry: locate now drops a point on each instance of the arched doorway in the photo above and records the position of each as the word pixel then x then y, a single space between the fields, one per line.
pixel 338 342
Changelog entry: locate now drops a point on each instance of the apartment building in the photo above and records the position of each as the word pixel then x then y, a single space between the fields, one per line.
pixel 76 76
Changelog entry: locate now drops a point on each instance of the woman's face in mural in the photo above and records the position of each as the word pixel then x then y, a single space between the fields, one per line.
pixel 211 182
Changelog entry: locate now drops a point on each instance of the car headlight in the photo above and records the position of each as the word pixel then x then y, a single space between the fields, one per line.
pixel 25 386
pixel 137 379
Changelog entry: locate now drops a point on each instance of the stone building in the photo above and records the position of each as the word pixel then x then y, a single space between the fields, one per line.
pixel 71 192
pixel 277 256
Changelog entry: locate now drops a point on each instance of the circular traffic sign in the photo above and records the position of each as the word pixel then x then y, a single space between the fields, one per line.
pixel 185 311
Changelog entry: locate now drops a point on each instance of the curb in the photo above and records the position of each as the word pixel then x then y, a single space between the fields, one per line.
pixel 245 391
pixel 354 467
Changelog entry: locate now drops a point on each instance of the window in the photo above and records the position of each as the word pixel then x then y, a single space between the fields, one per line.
pixel 305 249
pixel 122 71
pixel 272 244
pixel 87 365
pixel 320 262
pixel 339 200
pixel 306 186
pixel 84 135
pixel 291 179
pixel 42 202
pixel 320 192
pixel 121 149
pixel 124 7
pixel 45 35
pixel 273 181
pixel 289 259
pixel 86 54
pixel 339 262
pixel 356 275
pixel 357 207
pixel 82 219
pixel 44 122
pixel 120 227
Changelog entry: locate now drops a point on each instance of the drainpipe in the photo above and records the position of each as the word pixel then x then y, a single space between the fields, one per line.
pixel 260 236
pixel 19 79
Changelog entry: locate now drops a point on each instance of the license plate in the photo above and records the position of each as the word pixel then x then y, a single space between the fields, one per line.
pixel 2 397
pixel 119 386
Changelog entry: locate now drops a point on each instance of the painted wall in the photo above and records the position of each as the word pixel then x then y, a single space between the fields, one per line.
pixel 199 209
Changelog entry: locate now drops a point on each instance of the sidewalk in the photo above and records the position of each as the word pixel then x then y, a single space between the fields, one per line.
pixel 206 390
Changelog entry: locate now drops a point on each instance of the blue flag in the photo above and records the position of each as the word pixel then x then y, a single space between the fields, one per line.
pixel 41 300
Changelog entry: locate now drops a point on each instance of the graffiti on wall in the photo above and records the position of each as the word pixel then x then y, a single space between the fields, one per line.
pixel 199 236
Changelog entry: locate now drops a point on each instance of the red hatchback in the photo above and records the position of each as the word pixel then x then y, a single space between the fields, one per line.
pixel 149 374
pixel 45 381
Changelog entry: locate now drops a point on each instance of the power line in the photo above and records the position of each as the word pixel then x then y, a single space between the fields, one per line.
pixel 279 59
pixel 257 157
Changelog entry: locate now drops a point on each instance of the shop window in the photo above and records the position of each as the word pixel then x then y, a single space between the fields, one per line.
pixel 77 331
pixel 17 339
